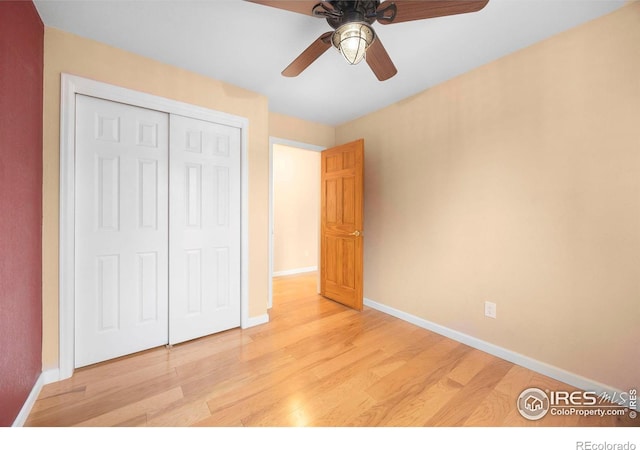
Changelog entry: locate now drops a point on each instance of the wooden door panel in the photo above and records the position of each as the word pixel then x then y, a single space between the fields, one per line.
pixel 341 275
pixel 331 252
pixel 332 204
pixel 348 269
pixel 341 203
pixel 349 201
pixel 342 193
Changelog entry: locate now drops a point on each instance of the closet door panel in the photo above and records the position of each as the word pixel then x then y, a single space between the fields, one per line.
pixel 204 236
pixel 121 232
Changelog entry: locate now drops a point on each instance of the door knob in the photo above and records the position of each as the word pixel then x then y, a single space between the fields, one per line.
pixel 355 233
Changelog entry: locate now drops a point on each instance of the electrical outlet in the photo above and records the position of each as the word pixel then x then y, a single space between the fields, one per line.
pixel 490 309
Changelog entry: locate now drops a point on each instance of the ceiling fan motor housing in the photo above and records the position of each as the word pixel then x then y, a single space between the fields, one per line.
pixel 363 11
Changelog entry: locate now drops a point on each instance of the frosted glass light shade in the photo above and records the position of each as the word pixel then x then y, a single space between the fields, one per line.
pixel 353 39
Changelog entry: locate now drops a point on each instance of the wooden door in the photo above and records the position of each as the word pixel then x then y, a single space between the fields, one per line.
pixel 121 230
pixel 204 228
pixel 342 202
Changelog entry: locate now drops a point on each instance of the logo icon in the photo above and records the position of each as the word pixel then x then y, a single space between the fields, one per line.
pixel 533 404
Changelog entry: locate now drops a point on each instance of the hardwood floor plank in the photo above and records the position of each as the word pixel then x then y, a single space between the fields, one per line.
pixel 425 405
pixel 89 407
pixel 515 381
pixel 261 402
pixel 245 374
pixel 134 411
pixel 493 409
pixel 292 408
pixel 469 366
pixel 421 370
pixel 181 413
pixel 514 419
pixel 461 406
pixel 339 400
pixel 58 398
pixel 272 383
pixel 397 390
pixel 122 380
pixel 343 360
pixel 346 412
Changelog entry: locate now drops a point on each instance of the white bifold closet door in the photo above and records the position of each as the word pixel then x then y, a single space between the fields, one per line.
pixel 157 246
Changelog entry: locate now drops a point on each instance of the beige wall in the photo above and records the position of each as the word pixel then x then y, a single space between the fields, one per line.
pixel 68 53
pixel 294 129
pixel 518 183
pixel 296 208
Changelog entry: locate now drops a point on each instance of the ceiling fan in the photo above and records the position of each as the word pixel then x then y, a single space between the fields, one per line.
pixel 353 33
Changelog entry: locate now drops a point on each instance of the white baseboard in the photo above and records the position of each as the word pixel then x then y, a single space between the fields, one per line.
pixel 46 377
pixel 51 376
pixel 556 373
pixel 283 273
pixel 255 321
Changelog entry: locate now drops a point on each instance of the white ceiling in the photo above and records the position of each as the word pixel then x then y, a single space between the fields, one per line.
pixel 248 45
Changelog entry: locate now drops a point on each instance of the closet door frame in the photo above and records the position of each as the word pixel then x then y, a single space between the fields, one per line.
pixel 70 86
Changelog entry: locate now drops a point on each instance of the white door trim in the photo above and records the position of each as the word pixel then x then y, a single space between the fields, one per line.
pixel 289 143
pixel 70 86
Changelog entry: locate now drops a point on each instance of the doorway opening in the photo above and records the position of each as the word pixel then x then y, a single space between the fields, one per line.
pixel 294 209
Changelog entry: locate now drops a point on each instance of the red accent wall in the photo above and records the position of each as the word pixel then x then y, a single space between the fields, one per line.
pixel 21 71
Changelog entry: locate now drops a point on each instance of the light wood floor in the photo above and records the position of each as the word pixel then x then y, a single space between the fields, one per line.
pixel 316 363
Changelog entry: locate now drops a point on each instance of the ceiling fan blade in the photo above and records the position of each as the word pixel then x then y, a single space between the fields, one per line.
pixel 298 6
pixel 406 10
pixel 311 53
pixel 379 61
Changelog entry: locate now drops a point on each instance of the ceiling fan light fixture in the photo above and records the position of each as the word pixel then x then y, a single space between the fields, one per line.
pixel 352 40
